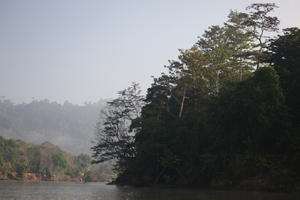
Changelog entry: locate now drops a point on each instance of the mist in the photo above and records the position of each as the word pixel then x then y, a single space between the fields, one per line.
pixel 67 125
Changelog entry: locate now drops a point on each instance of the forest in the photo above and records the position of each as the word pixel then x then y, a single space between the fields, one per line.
pixel 225 114
pixel 45 162
pixel 67 125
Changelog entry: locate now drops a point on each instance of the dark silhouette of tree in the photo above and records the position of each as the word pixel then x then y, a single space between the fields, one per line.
pixel 261 22
pixel 115 138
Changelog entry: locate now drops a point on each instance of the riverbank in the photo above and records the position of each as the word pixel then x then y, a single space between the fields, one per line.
pixel 35 177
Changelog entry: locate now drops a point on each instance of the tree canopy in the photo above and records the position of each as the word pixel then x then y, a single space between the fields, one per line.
pixel 225 114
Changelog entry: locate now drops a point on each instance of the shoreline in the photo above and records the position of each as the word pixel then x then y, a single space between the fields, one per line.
pixel 37 177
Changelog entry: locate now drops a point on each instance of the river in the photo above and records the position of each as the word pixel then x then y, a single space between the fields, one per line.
pixel 13 190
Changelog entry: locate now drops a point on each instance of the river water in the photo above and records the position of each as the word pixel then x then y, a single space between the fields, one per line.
pixel 13 190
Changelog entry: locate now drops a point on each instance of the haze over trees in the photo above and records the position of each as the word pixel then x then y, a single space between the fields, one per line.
pixel 225 114
pixel 67 125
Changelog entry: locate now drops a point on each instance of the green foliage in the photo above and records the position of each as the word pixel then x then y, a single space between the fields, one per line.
pixel 284 53
pixel 21 168
pixel 83 161
pixel 212 120
pixel 33 155
pixel 87 177
pixel 45 159
pixel 252 114
pixel 59 161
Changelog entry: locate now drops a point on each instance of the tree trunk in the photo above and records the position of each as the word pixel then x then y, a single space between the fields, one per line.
pixel 159 175
pixel 182 103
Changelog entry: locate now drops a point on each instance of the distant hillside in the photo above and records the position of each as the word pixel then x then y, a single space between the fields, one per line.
pixel 69 126
pixel 25 161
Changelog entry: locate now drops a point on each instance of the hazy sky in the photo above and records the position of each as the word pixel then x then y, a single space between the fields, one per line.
pixel 85 50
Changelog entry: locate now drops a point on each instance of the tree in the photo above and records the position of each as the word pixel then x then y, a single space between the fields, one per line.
pixel 226 49
pixel 83 161
pixel 284 53
pixel 240 40
pixel 189 77
pixel 59 162
pixel 214 45
pixel 115 137
pixel 260 22
pixel 253 109
pixel 21 167
pixel 212 119
pixel 285 56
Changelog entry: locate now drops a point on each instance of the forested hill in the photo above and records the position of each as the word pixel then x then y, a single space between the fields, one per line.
pixel 69 126
pixel 25 161
pixel 225 114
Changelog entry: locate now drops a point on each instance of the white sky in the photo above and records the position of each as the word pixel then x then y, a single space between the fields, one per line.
pixel 81 51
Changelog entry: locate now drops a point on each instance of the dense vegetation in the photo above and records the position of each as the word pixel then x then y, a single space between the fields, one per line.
pixel 24 161
pixel 226 114
pixel 67 125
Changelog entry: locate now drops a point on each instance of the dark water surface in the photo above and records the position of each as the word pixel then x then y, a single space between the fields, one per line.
pixel 12 190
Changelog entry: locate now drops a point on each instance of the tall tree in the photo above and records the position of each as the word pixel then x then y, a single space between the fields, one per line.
pixel 115 138
pixel 190 77
pixel 240 40
pixel 261 22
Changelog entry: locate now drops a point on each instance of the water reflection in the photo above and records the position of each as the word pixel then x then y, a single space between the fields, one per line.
pixel 191 194
pixel 10 190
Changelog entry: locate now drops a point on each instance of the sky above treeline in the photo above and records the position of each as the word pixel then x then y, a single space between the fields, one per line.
pixel 83 51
